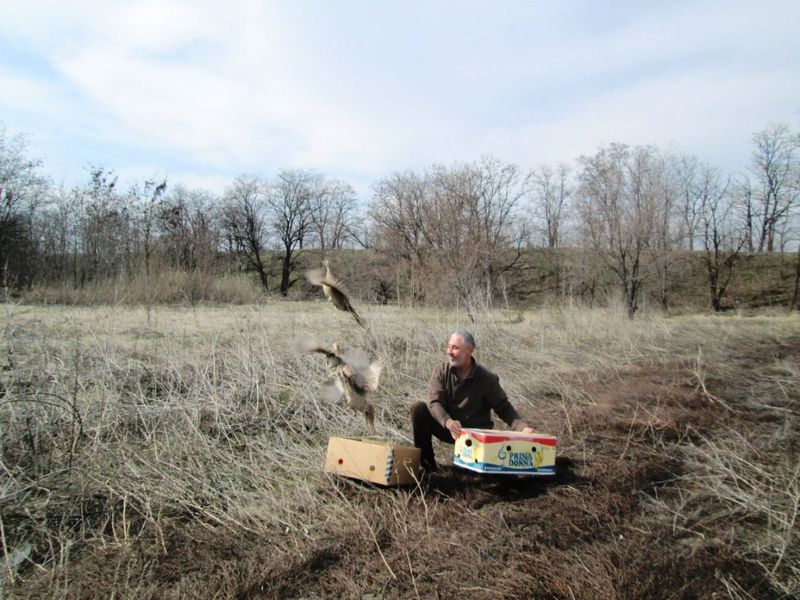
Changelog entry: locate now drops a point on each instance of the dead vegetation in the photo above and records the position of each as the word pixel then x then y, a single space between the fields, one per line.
pixel 177 454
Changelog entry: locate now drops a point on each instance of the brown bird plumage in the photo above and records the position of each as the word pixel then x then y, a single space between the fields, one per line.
pixel 334 290
pixel 351 377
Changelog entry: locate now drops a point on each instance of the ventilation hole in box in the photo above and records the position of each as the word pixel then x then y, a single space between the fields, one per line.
pixel 468 443
pixel 341 461
pixel 372 467
pixel 508 448
pixel 533 449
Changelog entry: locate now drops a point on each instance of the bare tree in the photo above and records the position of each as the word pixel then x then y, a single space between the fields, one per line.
pixel 746 204
pixel 289 203
pixel 20 180
pixel 776 168
pixel 146 199
pixel 333 214
pixel 620 205
pixel 107 235
pixel 686 170
pixel 662 188
pixel 145 202
pixel 244 223
pixel 723 237
pixel 454 229
pixel 551 195
pixel 22 189
pixel 484 200
pixel 397 214
pixel 796 293
pixel 189 231
pixel 54 231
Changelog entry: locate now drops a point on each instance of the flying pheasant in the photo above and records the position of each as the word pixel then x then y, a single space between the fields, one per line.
pixel 351 376
pixel 334 290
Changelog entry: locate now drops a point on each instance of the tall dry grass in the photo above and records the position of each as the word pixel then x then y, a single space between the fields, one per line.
pixel 164 287
pixel 119 425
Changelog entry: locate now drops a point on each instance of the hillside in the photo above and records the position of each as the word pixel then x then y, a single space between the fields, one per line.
pixel 541 278
pixel 538 278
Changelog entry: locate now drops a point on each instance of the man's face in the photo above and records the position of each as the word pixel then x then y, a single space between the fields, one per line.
pixel 459 351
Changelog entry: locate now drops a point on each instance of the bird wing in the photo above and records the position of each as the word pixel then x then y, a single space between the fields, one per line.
pixel 324 278
pixel 338 387
pixel 338 296
pixel 307 344
pixel 334 290
pixel 315 276
pixel 363 375
pixel 341 301
pixel 332 389
pixel 356 358
pixel 367 380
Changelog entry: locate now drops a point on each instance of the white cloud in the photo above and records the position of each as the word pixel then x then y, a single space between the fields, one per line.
pixel 368 89
pixel 707 113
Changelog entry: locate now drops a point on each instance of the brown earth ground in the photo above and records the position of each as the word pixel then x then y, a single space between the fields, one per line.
pixel 616 521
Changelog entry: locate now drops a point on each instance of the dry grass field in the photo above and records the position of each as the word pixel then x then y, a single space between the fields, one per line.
pixel 177 453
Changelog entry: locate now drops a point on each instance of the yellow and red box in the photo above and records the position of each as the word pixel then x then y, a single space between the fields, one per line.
pixel 506 452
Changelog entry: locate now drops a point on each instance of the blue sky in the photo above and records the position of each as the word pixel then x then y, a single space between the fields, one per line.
pixel 202 91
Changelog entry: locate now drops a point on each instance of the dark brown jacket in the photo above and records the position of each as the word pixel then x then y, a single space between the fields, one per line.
pixel 470 400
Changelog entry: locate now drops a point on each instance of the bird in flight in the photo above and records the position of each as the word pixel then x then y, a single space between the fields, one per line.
pixel 334 290
pixel 351 376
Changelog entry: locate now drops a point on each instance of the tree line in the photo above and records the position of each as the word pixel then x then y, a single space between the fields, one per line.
pixel 434 235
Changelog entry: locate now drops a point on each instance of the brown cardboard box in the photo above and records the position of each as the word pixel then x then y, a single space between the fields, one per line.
pixel 373 460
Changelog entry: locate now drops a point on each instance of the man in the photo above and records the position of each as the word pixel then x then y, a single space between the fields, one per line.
pixel 461 393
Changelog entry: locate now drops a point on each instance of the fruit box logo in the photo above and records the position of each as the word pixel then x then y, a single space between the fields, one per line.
pixel 518 459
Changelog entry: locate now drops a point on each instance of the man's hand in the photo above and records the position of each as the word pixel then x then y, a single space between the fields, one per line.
pixel 454 427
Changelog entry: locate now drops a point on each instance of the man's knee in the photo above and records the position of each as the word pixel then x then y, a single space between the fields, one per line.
pixel 419 410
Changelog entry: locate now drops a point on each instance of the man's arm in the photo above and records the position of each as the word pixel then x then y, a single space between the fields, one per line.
pixel 501 405
pixel 437 398
pixel 437 395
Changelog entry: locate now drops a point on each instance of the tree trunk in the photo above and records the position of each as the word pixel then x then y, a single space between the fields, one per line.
pixel 796 294
pixel 633 303
pixel 262 273
pixel 714 296
pixel 713 292
pixel 286 272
